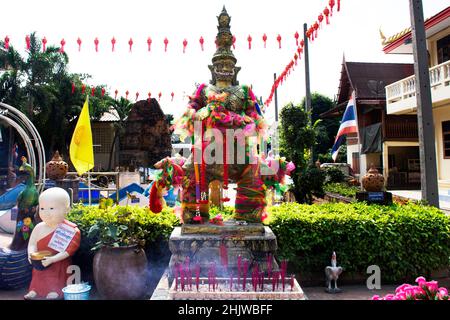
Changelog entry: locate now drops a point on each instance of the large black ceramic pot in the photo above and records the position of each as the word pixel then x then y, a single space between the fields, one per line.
pixel 121 273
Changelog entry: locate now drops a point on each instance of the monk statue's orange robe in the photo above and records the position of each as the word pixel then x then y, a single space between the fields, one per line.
pixel 54 277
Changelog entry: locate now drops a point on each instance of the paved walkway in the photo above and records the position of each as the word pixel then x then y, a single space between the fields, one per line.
pixel 312 293
pixel 417 195
pixel 348 293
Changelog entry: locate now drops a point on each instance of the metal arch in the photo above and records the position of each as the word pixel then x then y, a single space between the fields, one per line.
pixel 30 130
pixel 26 140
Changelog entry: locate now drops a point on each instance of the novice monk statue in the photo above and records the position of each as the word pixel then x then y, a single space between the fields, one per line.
pixel 59 237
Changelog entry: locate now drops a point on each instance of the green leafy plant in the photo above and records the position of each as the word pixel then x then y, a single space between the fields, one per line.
pixel 334 175
pixel 123 232
pixel 342 189
pixel 297 137
pixel 403 240
pixel 121 226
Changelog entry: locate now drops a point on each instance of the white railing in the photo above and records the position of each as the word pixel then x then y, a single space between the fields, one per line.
pixel 406 88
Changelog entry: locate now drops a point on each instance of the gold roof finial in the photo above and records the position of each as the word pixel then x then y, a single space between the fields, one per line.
pixel 383 37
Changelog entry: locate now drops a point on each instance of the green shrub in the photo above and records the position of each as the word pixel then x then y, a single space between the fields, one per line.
pixel 154 229
pixel 404 241
pixel 334 175
pixel 310 183
pixel 342 189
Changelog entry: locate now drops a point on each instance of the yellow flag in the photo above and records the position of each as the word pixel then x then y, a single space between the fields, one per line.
pixel 81 149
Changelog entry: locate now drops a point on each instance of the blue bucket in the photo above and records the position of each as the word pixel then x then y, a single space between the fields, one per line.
pixel 77 292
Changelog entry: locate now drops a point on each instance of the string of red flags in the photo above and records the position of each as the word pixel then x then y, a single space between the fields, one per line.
pixel 312 34
pixel 99 44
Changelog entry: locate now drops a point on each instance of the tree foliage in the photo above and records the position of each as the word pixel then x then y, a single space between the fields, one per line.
pixel 297 137
pixel 40 85
pixel 326 129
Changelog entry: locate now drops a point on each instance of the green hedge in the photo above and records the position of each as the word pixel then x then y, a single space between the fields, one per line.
pixel 404 241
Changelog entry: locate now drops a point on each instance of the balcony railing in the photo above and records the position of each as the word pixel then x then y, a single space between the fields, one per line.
pixel 406 88
pixel 401 127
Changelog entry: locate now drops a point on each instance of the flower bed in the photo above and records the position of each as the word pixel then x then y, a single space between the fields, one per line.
pixel 423 291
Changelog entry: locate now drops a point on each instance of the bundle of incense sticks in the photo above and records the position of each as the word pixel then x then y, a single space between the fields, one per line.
pixel 261 280
pixel 274 281
pixel 212 281
pixel 231 281
pixel 246 265
pixel 188 275
pixel 283 273
pixel 269 265
pixel 292 282
pixel 197 276
pixel 255 278
pixel 175 274
pixel 239 266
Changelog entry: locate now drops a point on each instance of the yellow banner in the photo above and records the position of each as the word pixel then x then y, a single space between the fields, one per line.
pixel 81 148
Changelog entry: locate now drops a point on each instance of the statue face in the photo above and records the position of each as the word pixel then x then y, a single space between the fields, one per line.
pixel 224 70
pixel 54 204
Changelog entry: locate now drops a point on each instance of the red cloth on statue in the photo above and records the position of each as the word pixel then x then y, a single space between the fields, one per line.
pixel 54 277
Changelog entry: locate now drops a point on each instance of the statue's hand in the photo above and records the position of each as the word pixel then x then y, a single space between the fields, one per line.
pixel 47 261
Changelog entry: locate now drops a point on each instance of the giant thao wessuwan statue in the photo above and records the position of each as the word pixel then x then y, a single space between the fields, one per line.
pixel 225 123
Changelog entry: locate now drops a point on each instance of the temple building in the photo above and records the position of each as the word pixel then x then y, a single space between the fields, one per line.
pixel 377 129
pixel 401 95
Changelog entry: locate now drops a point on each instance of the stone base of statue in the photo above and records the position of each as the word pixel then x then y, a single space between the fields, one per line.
pixel 383 198
pixel 222 245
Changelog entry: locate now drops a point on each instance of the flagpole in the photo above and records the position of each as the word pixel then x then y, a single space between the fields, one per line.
pixel 89 186
pixel 359 138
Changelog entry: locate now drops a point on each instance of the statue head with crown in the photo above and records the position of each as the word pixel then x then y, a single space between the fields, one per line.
pixel 223 69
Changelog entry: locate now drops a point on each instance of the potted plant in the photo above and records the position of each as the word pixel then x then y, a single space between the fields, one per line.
pixel 120 265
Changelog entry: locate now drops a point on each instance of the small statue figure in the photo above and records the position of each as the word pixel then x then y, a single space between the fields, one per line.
pixel 15 272
pixel 26 204
pixel 333 274
pixel 54 241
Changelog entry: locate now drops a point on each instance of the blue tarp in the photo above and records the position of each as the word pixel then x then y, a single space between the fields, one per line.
pixel 134 187
pixel 9 199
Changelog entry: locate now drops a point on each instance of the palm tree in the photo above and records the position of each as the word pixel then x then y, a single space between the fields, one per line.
pixel 40 85
pixel 122 108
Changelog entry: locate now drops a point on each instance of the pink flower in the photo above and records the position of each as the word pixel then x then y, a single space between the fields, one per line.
pixel 290 167
pixel 403 288
pixel 389 297
pixel 401 296
pixel 421 280
pixel 443 291
pixel 432 286
pixel 376 297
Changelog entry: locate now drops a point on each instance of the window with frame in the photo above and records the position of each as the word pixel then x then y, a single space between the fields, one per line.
pixel 443 49
pixel 446 138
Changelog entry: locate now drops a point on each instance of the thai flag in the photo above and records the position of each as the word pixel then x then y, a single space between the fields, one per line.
pixel 348 125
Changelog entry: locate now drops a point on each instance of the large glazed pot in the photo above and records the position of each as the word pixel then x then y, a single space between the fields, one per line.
pixel 56 168
pixel 373 181
pixel 121 273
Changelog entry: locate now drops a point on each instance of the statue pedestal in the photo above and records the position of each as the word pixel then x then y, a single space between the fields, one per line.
pixel 201 243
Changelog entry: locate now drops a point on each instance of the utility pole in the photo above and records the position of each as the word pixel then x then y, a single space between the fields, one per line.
pixel 276 98
pixel 275 142
pixel 307 78
pixel 428 170
pixel 308 104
